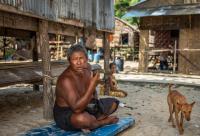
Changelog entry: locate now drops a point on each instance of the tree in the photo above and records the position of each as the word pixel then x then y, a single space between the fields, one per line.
pixel 121 8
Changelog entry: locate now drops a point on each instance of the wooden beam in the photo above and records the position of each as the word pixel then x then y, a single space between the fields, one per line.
pixel 14 10
pixel 48 96
pixel 10 20
pixel 20 22
pixel 106 46
pixel 62 29
pixel 71 22
pixel 164 22
pixel 15 33
pixel 10 17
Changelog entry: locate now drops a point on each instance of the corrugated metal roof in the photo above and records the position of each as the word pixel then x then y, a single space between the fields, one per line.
pixel 96 13
pixel 165 10
pixel 138 3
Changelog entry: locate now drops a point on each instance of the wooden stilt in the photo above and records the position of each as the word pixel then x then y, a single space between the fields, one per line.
pixel 84 38
pixel 143 54
pixel 114 54
pixel 174 65
pixel 48 96
pixel 106 46
pixel 35 58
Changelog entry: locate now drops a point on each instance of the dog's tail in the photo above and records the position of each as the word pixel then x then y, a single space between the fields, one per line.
pixel 170 87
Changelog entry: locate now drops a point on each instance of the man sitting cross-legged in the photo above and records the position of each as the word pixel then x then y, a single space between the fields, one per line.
pixel 76 106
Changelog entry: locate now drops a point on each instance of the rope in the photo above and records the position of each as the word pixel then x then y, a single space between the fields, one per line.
pixel 47 76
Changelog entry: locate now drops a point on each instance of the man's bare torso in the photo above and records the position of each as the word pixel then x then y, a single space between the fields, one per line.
pixel 79 82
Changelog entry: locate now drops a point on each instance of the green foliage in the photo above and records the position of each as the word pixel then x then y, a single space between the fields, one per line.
pixel 132 2
pixel 121 8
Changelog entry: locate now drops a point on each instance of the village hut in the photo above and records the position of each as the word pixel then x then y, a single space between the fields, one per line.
pixel 125 40
pixel 37 20
pixel 172 28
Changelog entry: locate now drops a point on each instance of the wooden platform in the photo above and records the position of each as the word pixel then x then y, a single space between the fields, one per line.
pixel 29 72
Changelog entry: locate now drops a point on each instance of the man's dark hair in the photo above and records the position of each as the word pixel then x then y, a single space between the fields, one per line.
pixel 111 64
pixel 76 48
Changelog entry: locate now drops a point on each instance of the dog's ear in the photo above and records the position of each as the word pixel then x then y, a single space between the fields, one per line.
pixel 192 104
pixel 180 105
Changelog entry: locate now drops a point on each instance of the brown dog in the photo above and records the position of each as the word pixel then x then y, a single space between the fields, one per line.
pixel 177 103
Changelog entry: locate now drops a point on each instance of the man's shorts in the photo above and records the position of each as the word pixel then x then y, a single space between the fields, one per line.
pixel 62 115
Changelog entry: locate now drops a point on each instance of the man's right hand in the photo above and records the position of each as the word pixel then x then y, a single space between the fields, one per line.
pixel 94 79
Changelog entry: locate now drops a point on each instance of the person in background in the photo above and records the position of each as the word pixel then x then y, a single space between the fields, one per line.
pixel 114 90
pixel 163 62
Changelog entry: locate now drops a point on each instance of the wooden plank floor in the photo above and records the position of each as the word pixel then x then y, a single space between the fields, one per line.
pixel 13 73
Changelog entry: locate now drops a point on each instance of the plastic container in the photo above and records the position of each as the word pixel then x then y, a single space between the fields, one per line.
pixel 90 56
pixel 96 58
pixel 119 64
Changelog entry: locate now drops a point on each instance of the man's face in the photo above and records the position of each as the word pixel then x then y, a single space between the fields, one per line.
pixel 78 61
pixel 113 69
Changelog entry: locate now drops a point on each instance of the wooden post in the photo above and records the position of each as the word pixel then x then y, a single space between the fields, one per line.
pixel 114 54
pixel 58 47
pixel 106 46
pixel 48 96
pixel 143 54
pixel 4 48
pixel 84 38
pixel 34 58
pixel 174 66
pixel 61 52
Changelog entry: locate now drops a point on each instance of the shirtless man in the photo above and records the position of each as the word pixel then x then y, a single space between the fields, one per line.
pixel 75 90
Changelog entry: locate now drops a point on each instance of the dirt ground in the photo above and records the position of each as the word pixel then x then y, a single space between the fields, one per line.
pixel 21 110
pixel 150 110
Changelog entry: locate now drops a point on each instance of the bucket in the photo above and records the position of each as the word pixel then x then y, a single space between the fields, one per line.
pixel 119 64
pixel 96 58
pixel 90 56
